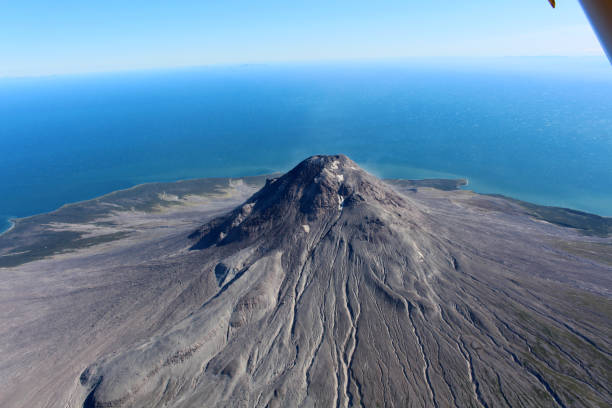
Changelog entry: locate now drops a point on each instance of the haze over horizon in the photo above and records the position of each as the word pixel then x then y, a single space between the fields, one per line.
pixel 69 37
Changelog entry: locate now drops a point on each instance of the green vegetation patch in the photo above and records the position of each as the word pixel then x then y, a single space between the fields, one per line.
pixel 596 251
pixel 31 239
pixel 53 244
pixel 440 184
pixel 588 224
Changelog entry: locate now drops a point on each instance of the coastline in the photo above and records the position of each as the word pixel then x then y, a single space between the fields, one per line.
pixel 70 227
pixel 12 222
pixel 136 190
pixel 462 184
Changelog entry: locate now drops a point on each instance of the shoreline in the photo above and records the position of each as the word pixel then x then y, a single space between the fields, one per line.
pixel 465 186
pixel 12 222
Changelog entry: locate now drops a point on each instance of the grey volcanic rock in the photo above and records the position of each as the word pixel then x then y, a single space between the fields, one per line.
pixel 327 287
pixel 334 289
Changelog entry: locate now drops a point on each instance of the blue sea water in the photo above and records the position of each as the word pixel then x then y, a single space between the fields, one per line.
pixel 534 129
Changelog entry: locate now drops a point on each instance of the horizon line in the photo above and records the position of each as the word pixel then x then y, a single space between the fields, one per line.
pixel 285 62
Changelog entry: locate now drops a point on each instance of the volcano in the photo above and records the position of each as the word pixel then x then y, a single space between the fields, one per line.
pixel 329 287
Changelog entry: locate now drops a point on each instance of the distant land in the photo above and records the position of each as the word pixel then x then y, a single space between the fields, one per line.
pixel 323 286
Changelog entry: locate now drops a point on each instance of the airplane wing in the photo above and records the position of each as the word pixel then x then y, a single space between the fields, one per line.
pixel 599 13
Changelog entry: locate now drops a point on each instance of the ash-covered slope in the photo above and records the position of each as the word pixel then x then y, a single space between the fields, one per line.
pixel 331 289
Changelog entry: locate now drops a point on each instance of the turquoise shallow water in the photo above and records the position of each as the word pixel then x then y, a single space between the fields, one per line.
pixel 535 129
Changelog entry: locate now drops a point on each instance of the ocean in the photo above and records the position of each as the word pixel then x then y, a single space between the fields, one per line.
pixel 537 129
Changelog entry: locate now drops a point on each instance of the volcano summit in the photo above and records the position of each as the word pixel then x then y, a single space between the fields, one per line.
pixel 326 287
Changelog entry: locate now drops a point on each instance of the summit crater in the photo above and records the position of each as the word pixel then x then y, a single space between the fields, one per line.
pixel 312 194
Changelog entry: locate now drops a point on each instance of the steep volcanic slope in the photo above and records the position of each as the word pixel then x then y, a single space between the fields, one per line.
pixel 329 288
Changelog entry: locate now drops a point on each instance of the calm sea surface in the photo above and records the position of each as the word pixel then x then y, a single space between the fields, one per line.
pixel 534 129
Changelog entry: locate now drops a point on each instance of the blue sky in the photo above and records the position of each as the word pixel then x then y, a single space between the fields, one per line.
pixel 42 37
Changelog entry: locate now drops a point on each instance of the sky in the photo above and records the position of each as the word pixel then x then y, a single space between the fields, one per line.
pixel 42 37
